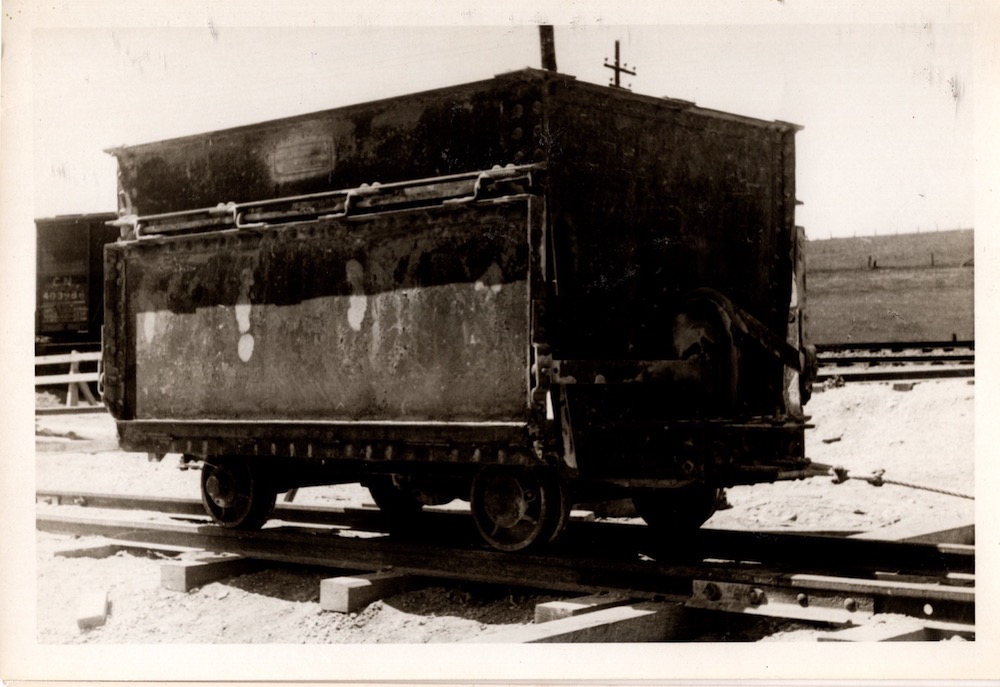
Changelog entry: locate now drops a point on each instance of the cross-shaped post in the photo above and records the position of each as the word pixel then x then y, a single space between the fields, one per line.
pixel 618 68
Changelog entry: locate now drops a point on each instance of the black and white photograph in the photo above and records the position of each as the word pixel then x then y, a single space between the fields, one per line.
pixel 356 333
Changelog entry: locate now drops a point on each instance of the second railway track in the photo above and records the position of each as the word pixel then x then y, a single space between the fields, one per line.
pixel 870 362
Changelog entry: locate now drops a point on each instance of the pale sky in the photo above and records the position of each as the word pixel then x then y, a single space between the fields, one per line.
pixel 887 107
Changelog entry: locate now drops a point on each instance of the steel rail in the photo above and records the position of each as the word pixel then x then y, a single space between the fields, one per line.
pixel 907 360
pixel 896 375
pixel 325 547
pixel 665 580
pixel 858 556
pixel 895 346
pixel 894 359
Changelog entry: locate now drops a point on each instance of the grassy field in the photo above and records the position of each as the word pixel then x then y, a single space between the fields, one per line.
pixel 944 248
pixel 889 288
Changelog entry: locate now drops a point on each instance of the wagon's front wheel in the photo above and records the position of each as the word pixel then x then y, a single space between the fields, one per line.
pixel 516 508
pixel 237 492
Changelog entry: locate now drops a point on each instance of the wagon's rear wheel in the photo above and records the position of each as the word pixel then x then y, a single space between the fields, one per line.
pixel 237 492
pixel 677 511
pixel 517 508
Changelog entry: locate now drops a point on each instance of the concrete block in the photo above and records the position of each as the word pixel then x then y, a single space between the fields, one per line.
pixel 930 529
pixel 642 622
pixel 351 593
pixel 964 535
pixel 556 610
pixel 902 386
pixel 893 631
pixel 144 549
pixel 99 551
pixel 114 547
pixel 92 609
pixel 183 576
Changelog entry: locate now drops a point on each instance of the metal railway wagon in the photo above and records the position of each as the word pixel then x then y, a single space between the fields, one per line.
pixel 527 292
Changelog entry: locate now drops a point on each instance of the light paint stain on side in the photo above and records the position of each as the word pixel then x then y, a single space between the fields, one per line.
pixel 244 347
pixel 492 280
pixel 149 325
pixel 358 302
pixel 243 317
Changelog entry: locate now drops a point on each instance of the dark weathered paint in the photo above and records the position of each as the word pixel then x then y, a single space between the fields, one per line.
pixel 648 197
pixel 459 129
pixel 646 200
pixel 650 201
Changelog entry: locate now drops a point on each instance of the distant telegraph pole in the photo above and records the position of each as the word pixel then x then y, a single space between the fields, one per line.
pixel 548 48
pixel 618 67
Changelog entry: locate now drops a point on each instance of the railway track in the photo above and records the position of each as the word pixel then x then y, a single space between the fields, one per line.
pixel 835 581
pixel 871 362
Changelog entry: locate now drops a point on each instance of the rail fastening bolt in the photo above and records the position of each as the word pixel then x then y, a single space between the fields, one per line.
pixel 802 599
pixel 756 596
pixel 712 592
pixel 850 604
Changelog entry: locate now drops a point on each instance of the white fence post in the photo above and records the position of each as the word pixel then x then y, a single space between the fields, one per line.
pixel 77 381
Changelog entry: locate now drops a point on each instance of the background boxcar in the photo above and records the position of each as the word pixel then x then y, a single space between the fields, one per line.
pixel 69 306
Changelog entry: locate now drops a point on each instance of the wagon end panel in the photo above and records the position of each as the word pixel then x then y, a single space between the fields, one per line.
pixel 412 316
pixel 655 201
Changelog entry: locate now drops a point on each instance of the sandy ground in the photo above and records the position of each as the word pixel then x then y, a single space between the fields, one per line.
pixel 923 436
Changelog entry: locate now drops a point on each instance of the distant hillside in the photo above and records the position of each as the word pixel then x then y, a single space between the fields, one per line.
pixel 909 287
pixel 948 248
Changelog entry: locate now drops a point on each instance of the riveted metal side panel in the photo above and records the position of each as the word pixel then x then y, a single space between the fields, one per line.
pixel 446 131
pixel 405 317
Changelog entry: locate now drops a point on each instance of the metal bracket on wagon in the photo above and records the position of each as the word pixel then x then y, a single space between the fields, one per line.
pixel 468 187
pixel 623 371
pixel 751 327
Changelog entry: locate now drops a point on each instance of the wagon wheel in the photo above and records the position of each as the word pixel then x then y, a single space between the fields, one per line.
pixel 559 507
pixel 237 493
pixel 679 510
pixel 392 495
pixel 515 509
